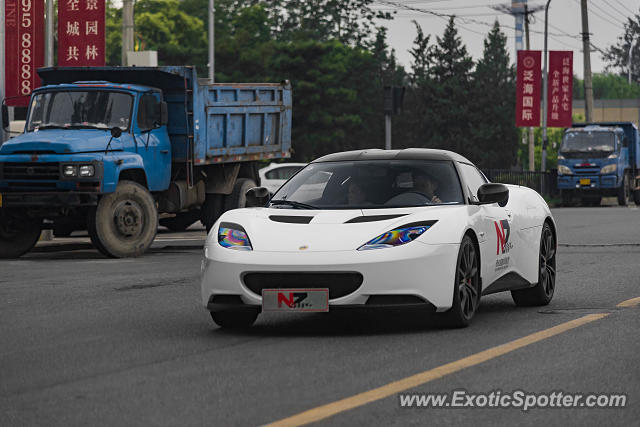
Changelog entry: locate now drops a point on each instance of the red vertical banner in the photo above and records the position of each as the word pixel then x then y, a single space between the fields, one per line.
pixel 24 48
pixel 560 88
pixel 528 88
pixel 81 33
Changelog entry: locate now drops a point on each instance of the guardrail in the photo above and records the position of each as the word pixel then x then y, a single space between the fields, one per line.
pixel 545 183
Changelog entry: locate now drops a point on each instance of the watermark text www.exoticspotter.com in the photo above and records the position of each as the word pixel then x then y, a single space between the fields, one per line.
pixel 518 399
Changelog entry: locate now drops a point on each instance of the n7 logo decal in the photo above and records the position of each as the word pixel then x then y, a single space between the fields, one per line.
pixel 293 301
pixel 503 231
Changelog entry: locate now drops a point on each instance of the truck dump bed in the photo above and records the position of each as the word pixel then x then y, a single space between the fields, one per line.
pixel 208 123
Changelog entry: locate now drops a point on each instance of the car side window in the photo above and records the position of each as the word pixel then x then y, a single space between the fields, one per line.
pixel 148 112
pixel 472 178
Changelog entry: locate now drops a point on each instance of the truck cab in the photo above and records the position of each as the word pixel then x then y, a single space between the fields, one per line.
pixel 109 149
pixel 595 161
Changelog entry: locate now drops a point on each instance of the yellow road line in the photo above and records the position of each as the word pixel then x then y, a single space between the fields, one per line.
pixel 630 302
pixel 330 409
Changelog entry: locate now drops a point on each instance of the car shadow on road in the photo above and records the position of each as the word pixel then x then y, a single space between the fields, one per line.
pixel 367 321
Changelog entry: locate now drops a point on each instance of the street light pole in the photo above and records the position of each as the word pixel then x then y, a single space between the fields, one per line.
pixel 48 35
pixel 631 44
pixel 545 139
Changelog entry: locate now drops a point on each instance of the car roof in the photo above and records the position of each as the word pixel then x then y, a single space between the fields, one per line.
pixel 405 154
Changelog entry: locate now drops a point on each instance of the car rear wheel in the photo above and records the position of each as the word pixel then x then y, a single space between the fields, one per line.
pixel 235 319
pixel 542 292
pixel 466 292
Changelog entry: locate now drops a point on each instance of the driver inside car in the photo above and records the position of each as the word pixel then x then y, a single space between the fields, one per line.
pixel 427 185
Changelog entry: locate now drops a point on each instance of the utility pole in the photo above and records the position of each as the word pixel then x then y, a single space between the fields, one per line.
pixel 48 35
pixel 545 82
pixel 588 88
pixel 532 160
pixel 127 29
pixel 212 16
pixel 2 75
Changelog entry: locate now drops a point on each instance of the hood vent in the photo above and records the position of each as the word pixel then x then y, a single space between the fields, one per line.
pixel 372 218
pixel 291 219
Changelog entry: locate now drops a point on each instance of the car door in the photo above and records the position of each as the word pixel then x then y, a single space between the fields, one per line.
pixel 494 225
pixel 152 142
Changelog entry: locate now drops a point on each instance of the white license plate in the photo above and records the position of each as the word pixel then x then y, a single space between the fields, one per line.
pixel 295 299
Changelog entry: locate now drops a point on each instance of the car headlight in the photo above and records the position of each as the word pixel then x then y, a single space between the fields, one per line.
pixel 70 171
pixel 564 170
pixel 398 236
pixel 233 236
pixel 609 168
pixel 86 171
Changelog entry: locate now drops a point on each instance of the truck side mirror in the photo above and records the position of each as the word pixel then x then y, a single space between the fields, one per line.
pixel 625 142
pixel 5 116
pixel 257 197
pixel 164 113
pixel 493 193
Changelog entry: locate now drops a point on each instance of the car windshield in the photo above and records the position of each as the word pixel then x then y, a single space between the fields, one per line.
pixel 89 109
pixel 586 141
pixel 371 184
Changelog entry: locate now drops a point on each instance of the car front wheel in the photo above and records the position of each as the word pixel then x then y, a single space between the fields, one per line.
pixel 466 292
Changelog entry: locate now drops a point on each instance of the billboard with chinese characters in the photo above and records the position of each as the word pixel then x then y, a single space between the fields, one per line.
pixel 81 33
pixel 528 88
pixel 24 49
pixel 560 88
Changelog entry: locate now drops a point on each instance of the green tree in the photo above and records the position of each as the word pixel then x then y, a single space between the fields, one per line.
pixel 495 137
pixel 449 93
pixel 617 55
pixel 607 86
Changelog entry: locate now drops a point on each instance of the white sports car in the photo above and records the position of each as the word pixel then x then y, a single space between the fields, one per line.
pixel 413 227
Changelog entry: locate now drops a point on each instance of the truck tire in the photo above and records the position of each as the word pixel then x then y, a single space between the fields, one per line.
pixel 237 198
pixel 181 221
pixel 624 192
pixel 211 210
pixel 18 235
pixel 636 197
pixel 125 222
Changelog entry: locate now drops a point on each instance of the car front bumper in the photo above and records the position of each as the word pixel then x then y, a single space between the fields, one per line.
pixel 415 269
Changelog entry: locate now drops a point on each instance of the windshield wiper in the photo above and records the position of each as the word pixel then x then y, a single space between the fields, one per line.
pixel 292 203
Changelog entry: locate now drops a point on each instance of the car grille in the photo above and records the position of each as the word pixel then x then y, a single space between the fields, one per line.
pixel 339 284
pixel 31 171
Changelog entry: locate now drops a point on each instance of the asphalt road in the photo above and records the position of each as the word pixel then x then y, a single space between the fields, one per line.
pixel 91 341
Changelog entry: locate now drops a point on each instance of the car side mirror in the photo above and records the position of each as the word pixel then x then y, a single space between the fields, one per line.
pixel 164 113
pixel 116 132
pixel 5 116
pixel 493 193
pixel 257 197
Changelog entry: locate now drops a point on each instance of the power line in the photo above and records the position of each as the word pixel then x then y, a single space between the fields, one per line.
pixel 616 24
pixel 625 7
pixel 468 21
pixel 613 7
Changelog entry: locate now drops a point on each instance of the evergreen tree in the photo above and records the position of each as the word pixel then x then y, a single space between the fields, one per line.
pixel 495 137
pixel 450 92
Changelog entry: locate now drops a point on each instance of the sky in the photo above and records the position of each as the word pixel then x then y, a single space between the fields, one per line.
pixel 475 18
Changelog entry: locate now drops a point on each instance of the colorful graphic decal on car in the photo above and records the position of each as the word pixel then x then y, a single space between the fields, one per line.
pixel 396 237
pixel 503 231
pixel 233 239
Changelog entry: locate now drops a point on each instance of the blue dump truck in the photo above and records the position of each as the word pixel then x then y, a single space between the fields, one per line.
pixel 599 159
pixel 112 149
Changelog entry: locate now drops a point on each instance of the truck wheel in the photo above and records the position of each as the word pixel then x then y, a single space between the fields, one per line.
pixel 636 197
pixel 624 192
pixel 237 198
pixel 181 221
pixel 211 210
pixel 125 222
pixel 18 235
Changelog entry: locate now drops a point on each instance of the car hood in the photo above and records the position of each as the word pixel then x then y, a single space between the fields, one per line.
pixel 59 141
pixel 293 230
